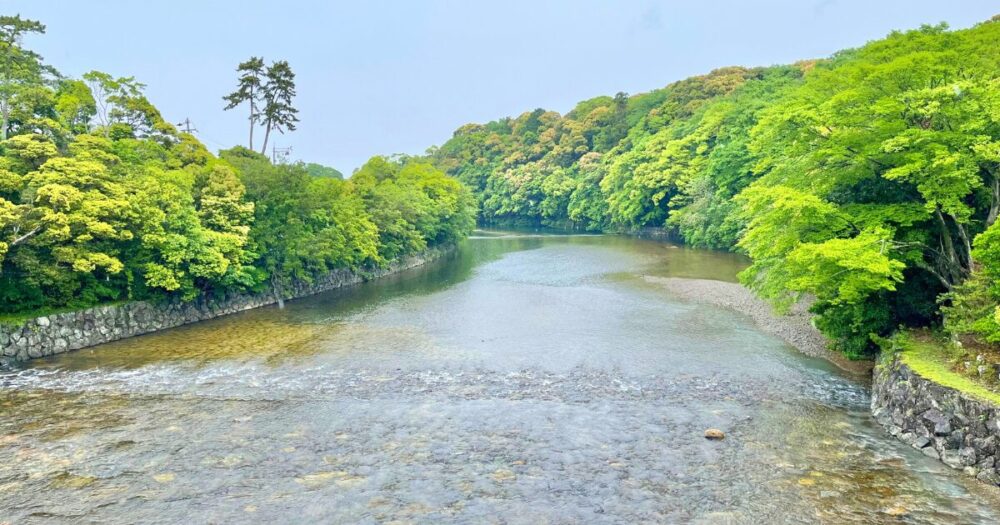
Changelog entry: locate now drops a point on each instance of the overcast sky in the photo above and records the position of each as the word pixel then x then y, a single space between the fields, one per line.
pixel 382 77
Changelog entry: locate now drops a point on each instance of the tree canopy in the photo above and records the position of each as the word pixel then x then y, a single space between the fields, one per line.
pixel 268 91
pixel 868 182
pixel 102 200
pixel 321 171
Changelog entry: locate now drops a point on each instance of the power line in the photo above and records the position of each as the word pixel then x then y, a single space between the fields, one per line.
pixel 187 126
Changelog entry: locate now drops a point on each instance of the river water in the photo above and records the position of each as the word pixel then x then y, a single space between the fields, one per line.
pixel 525 379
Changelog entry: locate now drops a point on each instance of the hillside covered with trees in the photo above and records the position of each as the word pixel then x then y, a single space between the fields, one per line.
pixel 103 200
pixel 869 181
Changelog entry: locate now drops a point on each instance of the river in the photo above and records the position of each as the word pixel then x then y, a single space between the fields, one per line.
pixel 526 378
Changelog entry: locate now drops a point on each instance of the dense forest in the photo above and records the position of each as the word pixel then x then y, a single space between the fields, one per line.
pixel 103 200
pixel 868 181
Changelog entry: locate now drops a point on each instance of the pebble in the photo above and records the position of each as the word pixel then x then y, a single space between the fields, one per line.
pixel 714 434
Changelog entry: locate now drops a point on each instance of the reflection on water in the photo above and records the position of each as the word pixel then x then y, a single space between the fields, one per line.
pixel 527 378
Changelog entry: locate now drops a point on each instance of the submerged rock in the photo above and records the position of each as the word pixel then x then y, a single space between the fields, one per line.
pixel 714 434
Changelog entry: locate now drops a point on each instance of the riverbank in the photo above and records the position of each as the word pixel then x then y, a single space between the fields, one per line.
pixel 923 403
pixel 526 376
pixel 63 332
pixel 795 328
pixel 911 397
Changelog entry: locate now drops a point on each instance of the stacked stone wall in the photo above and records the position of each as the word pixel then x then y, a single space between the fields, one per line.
pixel 941 422
pixel 54 334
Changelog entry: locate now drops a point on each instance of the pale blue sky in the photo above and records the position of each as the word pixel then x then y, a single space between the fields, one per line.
pixel 383 77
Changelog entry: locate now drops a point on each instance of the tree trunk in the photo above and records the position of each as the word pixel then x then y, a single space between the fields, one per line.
pixel 948 248
pixel 5 123
pixel 966 246
pixel 252 118
pixel 991 217
pixel 944 282
pixel 267 135
pixel 251 128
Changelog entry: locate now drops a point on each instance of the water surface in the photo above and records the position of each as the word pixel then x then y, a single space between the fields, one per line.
pixel 526 379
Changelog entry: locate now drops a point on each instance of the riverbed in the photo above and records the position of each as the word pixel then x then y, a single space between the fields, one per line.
pixel 527 378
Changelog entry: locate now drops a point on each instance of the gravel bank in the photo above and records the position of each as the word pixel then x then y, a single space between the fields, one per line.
pixel 795 328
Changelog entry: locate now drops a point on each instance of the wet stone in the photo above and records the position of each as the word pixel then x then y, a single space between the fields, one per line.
pixel 917 441
pixel 109 323
pixel 967 456
pixel 955 440
pixel 940 423
pixel 961 432
pixel 714 434
pixel 989 476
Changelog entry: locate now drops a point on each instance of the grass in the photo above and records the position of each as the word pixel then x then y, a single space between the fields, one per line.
pixel 932 359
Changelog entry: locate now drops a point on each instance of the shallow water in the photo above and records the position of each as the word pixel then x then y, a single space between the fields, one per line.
pixel 525 379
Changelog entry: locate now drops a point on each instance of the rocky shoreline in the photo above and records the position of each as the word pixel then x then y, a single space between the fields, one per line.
pixel 795 328
pixel 940 422
pixel 961 432
pixel 58 333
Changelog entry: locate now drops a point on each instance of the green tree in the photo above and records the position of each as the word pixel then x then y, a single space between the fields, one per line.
pixel 414 205
pixel 75 106
pixel 68 218
pixel 102 200
pixel 899 138
pixel 321 171
pixel 20 69
pixel 860 181
pixel 303 226
pixel 122 110
pixel 278 90
pixel 249 90
pixel 973 308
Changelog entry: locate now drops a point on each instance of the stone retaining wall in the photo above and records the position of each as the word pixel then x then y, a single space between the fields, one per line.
pixel 58 333
pixel 941 422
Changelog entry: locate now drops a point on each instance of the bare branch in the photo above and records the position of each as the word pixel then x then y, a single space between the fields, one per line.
pixel 26 236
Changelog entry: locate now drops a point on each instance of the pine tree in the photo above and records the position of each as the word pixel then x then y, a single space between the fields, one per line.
pixel 249 90
pixel 278 91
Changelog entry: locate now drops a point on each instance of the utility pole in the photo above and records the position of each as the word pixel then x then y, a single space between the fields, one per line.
pixel 284 152
pixel 187 128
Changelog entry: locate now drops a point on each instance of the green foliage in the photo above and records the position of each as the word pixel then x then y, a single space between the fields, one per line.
pixel 269 92
pixel 897 137
pixel 321 171
pixel 303 226
pixel 21 73
pixel 867 183
pixel 852 327
pixel 277 92
pixel 858 181
pixel 414 205
pixel 75 105
pixel 974 307
pixel 248 89
pixel 622 162
pixel 122 110
pixel 101 200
